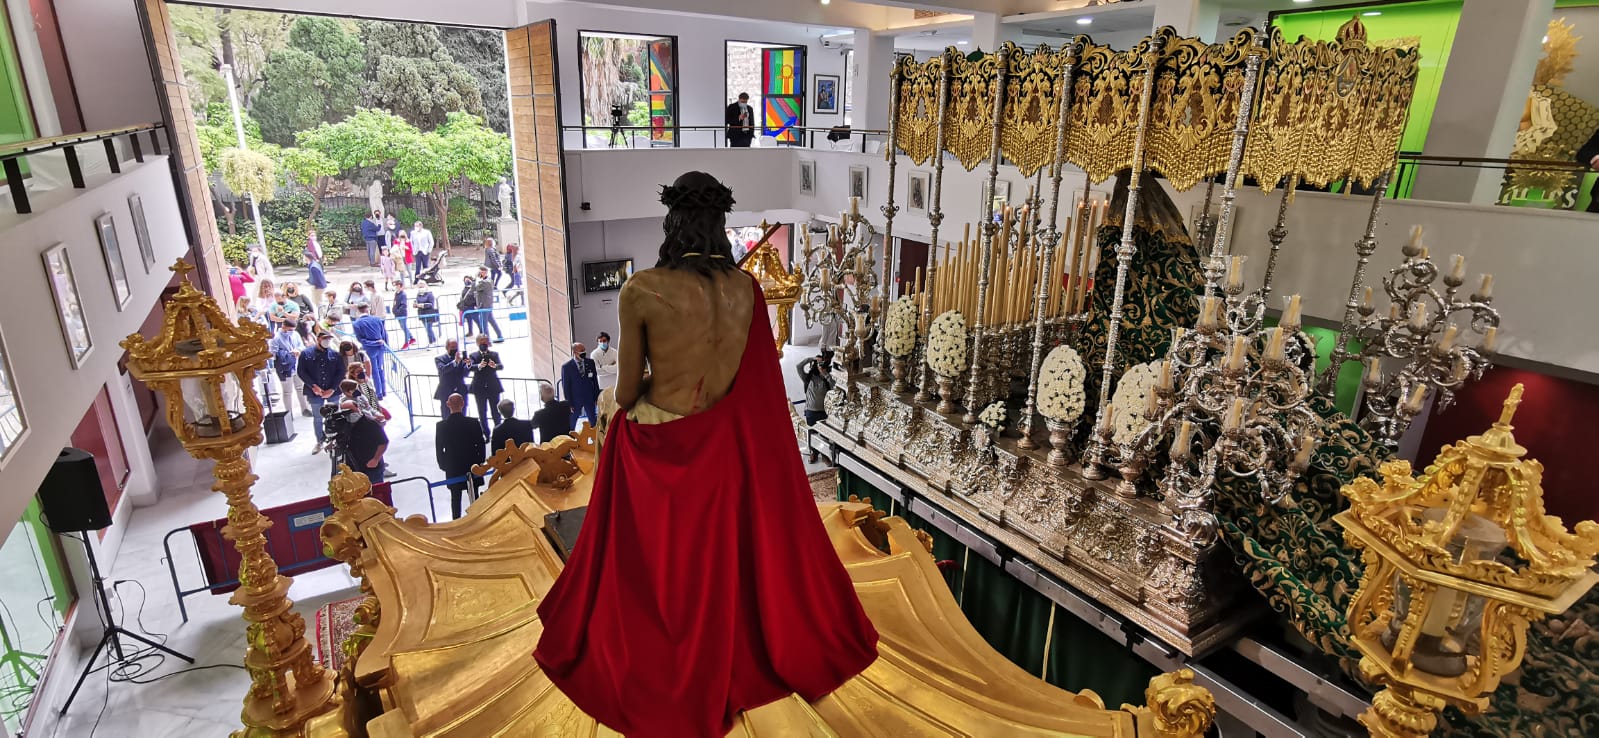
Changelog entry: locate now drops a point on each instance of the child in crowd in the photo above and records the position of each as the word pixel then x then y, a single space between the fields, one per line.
pixel 386 264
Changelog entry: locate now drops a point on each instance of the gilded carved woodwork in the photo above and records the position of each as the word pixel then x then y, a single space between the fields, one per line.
pixel 1102 126
pixel 918 107
pixel 1198 87
pixel 969 121
pixel 1032 106
pixel 1330 110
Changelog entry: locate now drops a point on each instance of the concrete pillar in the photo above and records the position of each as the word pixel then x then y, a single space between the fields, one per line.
pixel 874 62
pixel 989 32
pixel 1486 80
pixel 1191 18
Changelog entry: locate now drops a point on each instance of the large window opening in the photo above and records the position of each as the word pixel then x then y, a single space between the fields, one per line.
pixel 629 89
pixel 774 77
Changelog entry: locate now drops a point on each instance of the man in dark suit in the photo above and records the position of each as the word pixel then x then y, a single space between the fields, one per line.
pixel 511 429
pixel 458 445
pixel 555 418
pixel 453 368
pixel 581 379
pixel 1588 156
pixel 486 385
pixel 740 119
pixel 365 442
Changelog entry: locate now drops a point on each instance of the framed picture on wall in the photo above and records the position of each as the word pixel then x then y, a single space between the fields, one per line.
pixel 69 308
pixel 807 177
pixel 828 92
pixel 918 185
pixel 606 276
pixel 857 183
pixel 141 232
pixel 112 251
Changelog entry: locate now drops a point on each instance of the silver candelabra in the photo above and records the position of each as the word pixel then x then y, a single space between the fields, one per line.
pixel 840 283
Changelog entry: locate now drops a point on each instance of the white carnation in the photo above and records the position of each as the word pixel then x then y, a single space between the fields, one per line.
pixel 1060 385
pixel 946 345
pixel 994 416
pixel 899 337
pixel 1131 399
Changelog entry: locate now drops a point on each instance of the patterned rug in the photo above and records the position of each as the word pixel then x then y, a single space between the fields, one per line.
pixel 824 485
pixel 334 623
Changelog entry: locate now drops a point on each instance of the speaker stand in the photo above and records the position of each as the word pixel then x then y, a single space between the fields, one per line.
pixel 112 634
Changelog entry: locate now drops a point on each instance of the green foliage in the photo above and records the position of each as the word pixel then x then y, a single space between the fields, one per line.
pixel 249 172
pixel 462 147
pixel 344 221
pixel 463 217
pixel 482 53
pixel 284 245
pixel 306 166
pixel 409 72
pixel 639 115
pixel 217 134
pixel 290 210
pixel 369 138
pixel 407 217
pixel 315 79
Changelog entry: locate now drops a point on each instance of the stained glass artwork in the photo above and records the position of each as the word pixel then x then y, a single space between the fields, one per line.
pixel 660 117
pixel 781 72
pixel 782 114
pixel 663 82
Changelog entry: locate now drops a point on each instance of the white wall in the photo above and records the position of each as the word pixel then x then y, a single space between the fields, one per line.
pixel 54 395
pixel 110 69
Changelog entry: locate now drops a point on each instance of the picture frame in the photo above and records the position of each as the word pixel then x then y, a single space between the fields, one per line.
pixel 606 276
pixel 141 232
pixel 69 305
pixel 918 190
pixel 999 195
pixel 13 417
pixel 116 269
pixel 857 182
pixel 828 91
pixel 807 177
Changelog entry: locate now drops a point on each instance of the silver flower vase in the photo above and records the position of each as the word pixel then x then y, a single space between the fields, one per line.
pixel 899 366
pixel 1060 440
pixel 946 394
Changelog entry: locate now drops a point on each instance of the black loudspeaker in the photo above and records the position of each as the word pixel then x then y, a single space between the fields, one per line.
pixel 71 496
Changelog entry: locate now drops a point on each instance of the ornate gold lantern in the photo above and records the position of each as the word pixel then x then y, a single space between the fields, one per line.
pixel 1458 562
pixel 204 366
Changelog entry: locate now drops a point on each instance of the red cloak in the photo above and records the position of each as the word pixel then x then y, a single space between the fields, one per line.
pixel 703 583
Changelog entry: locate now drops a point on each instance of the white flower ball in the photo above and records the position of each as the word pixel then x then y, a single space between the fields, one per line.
pixel 946 345
pixel 1060 386
pixel 993 416
pixel 1131 399
pixel 899 337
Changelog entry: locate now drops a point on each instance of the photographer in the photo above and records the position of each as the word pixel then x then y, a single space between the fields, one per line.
pixel 740 121
pixel 363 441
pixel 453 368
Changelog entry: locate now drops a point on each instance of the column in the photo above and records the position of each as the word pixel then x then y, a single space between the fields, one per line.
pixel 1191 18
pixel 874 61
pixel 989 32
pixel 1485 85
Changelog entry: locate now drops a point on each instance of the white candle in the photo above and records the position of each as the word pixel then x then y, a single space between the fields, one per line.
pixel 1393 311
pixel 1235 415
pixel 1460 368
pixel 1165 374
pixel 1448 341
pixel 854 206
pixel 1207 313
pixel 1307 446
pixel 860 323
pixel 1179 447
pixel 1490 340
pixel 1291 317
pixel 1487 289
pixel 1235 273
pixel 1152 409
pixel 1365 302
pixel 1457 271
pixel 1373 369
pixel 1417 395
pixel 1237 353
pixel 1418 316
pixel 1274 348
pixel 1415 236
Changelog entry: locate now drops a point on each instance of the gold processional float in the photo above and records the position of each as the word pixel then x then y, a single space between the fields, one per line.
pixel 448 619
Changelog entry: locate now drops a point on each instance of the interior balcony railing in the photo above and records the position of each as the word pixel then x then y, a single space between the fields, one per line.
pixel 1547 184
pixel 47 164
pixel 841 138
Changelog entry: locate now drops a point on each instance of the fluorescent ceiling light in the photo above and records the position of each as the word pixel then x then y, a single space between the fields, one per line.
pixel 1372 12
pixel 1085 20
pixel 961 43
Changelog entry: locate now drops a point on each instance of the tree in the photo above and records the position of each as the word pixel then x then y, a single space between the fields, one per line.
pixel 313 170
pixel 409 72
pixel 611 76
pixel 483 54
pixel 250 173
pixel 462 148
pixel 315 79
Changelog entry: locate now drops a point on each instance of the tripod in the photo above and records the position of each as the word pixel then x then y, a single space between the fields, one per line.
pixel 112 630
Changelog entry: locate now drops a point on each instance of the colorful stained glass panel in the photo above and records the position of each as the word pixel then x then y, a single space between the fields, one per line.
pixel 781 115
pixel 782 72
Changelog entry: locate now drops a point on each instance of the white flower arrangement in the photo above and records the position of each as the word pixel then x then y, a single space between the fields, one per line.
pixel 899 337
pixel 1131 399
pixel 946 345
pixel 993 416
pixel 1060 385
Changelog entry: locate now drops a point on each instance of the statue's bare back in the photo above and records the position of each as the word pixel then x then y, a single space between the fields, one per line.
pixel 690 329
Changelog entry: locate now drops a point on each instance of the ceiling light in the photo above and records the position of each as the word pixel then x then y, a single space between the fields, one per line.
pixel 1370 13
pixel 962 43
pixel 1085 20
pixel 1301 1
pixel 824 2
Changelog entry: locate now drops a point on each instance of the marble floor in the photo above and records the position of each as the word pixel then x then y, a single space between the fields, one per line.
pixel 207 702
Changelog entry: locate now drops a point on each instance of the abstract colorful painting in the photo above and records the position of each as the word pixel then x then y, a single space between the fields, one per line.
pixel 663 82
pixel 781 71
pixel 660 117
pixel 782 114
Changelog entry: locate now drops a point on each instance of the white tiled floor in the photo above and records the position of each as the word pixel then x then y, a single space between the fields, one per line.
pixel 207 703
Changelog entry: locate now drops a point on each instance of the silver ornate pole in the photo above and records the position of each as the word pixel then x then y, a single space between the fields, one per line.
pixel 1093 469
pixel 1218 250
pixel 1364 248
pixel 985 257
pixel 889 211
pixel 1048 240
pixel 936 215
pixel 1277 234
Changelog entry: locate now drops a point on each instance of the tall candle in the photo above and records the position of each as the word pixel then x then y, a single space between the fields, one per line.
pixel 1393 311
pixel 1235 273
pixel 1235 415
pixel 1373 370
pixel 1459 372
pixel 1415 237
pixel 1490 339
pixel 1152 408
pixel 1165 374
pixel 1291 317
pixel 1236 354
pixel 854 206
pixel 1365 302
pixel 1207 312
pixel 1448 341
pixel 1307 446
pixel 1418 393
pixel 1274 347
pixel 1418 316
pixel 1457 271
pixel 1185 433
pixel 1487 289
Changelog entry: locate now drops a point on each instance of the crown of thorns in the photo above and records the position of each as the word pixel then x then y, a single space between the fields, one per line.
pixel 710 196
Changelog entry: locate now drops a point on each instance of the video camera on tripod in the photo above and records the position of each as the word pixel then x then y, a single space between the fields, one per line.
pixel 618 120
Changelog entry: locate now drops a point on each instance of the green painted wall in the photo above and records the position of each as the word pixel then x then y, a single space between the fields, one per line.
pixel 16 117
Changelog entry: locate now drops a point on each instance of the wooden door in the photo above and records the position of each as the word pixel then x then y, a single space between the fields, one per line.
pixel 530 54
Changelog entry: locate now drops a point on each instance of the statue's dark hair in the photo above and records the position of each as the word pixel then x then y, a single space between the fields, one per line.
pixel 696 225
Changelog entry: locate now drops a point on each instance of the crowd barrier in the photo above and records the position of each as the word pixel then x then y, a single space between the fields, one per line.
pixel 418 388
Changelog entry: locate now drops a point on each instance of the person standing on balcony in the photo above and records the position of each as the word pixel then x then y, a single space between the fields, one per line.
pixel 372 234
pixel 421 247
pixel 740 121
pixel 373 335
pixel 1588 156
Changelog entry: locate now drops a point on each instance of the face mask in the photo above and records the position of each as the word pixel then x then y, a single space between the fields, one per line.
pixel 325 343
pixel 604 345
pixel 582 354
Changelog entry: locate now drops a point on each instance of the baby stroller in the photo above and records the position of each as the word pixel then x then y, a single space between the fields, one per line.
pixel 435 273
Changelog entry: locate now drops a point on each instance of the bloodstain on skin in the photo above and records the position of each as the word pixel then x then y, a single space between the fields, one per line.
pixel 699 390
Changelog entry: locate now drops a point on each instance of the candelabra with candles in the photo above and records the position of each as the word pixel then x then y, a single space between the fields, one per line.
pixel 841 283
pixel 1422 329
pixel 1264 428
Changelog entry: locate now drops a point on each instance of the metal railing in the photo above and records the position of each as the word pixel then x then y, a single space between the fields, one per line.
pixel 14 156
pixel 418 388
pixel 1553 184
pixel 704 137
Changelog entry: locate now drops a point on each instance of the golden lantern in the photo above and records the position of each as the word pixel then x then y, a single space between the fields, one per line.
pixel 1458 562
pixel 204 366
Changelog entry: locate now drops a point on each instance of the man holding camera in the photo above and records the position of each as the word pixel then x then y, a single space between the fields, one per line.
pixel 363 441
pixel 320 369
pixel 453 367
pixel 458 446
pixel 740 121
pixel 486 386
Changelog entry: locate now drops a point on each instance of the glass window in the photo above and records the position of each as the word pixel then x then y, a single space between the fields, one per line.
pixel 629 89
pixel 774 77
pixel 34 597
